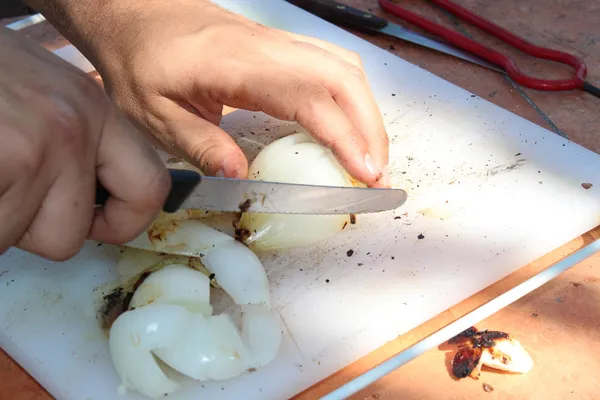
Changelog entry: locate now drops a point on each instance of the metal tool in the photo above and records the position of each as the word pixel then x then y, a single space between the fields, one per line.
pixel 337 13
pixel 494 57
pixel 190 190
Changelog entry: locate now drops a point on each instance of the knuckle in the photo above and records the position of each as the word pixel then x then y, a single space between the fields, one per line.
pixel 66 123
pixel 29 154
pixel 354 57
pixel 202 153
pixel 313 91
pixel 355 72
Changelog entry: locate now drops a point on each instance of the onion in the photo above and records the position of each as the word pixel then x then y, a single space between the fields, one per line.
pixel 175 284
pixel 208 348
pixel 170 315
pixel 239 272
pixel 134 335
pixel 261 331
pixel 294 159
pixel 507 355
pixel 180 237
pixel 237 269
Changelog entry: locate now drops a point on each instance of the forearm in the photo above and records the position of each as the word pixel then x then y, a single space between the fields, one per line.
pixel 98 27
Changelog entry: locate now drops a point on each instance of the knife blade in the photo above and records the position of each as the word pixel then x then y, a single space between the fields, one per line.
pixel 342 14
pixel 190 190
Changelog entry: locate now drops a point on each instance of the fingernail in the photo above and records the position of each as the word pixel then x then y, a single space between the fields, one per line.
pixel 370 165
pixel 220 173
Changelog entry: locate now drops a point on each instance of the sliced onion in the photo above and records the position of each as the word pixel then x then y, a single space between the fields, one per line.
pixel 180 237
pixel 208 348
pixel 133 337
pixel 294 159
pixel 175 284
pixel 517 359
pixel 262 334
pixel 239 272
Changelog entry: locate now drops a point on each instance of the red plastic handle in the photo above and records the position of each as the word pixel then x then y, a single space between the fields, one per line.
pixel 576 82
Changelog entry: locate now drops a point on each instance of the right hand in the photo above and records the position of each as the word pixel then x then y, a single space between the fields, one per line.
pixel 58 133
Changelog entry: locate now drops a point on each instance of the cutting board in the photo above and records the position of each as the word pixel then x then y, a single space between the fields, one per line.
pixel 488 193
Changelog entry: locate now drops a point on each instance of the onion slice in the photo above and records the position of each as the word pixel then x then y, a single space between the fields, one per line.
pixel 262 334
pixel 239 272
pixel 175 284
pixel 133 337
pixel 208 348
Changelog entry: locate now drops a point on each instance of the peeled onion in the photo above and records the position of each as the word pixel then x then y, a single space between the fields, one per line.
pixel 175 284
pixel 133 337
pixel 208 348
pixel 294 159
pixel 239 272
pixel 170 315
pixel 237 269
pixel 261 331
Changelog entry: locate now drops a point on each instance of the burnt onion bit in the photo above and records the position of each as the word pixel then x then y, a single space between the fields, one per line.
pixel 471 343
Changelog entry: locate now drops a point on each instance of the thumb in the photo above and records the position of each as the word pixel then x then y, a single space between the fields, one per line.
pixel 201 143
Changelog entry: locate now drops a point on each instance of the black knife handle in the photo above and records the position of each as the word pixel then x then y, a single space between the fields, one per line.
pixel 183 183
pixel 338 13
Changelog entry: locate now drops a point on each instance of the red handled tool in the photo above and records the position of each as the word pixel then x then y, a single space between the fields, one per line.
pixel 577 81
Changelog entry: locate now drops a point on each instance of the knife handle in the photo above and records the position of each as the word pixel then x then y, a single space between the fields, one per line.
pixel 338 13
pixel 183 183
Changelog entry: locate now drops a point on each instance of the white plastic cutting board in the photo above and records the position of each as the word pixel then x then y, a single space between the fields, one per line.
pixel 508 192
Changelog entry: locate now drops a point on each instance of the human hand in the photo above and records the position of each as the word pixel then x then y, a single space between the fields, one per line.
pixel 58 133
pixel 194 57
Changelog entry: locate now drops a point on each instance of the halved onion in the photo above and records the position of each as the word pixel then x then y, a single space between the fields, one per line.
pixel 294 159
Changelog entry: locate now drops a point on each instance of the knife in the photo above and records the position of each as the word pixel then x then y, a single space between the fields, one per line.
pixel 342 14
pixel 190 190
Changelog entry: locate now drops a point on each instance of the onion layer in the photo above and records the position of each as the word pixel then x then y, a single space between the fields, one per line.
pixel 294 159
pixel 170 316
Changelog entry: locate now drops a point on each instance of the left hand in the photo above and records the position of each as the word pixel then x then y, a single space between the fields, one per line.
pixel 194 57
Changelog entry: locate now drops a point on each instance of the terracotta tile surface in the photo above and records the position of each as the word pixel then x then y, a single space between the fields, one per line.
pixel 559 322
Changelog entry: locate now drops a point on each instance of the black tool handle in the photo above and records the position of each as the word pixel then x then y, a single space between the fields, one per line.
pixel 341 14
pixel 183 183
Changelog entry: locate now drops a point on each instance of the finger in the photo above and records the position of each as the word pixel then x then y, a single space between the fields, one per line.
pixel 136 178
pixel 378 141
pixel 294 97
pixel 63 221
pixel 22 189
pixel 346 55
pixel 201 142
pixel 349 87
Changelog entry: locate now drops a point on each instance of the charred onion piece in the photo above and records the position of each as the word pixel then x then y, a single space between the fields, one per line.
pixel 494 349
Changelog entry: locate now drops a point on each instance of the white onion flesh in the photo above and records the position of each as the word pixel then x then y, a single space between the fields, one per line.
pixel 518 360
pixel 261 331
pixel 239 272
pixel 170 314
pixel 133 337
pixel 189 238
pixel 237 269
pixel 294 159
pixel 175 284
pixel 208 348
